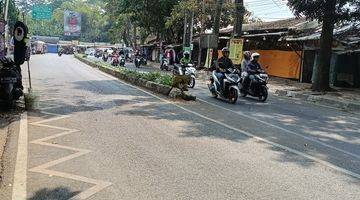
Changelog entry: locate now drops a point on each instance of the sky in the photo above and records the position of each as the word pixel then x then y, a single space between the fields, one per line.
pixel 269 10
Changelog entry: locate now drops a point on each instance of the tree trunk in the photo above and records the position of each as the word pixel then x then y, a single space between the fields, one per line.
pixel 202 31
pixel 135 35
pixel 219 5
pixel 240 11
pixel 321 82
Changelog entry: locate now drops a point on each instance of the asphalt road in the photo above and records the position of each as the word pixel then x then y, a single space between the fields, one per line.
pixel 98 138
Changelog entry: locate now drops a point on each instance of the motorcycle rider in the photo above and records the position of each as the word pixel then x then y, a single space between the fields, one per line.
pixel 185 60
pixel 179 77
pixel 224 63
pixel 246 60
pixel 252 68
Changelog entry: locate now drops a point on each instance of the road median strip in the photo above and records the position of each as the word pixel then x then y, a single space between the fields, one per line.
pixel 154 81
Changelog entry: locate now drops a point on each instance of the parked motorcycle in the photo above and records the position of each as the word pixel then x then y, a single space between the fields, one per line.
pixel 229 89
pixel 257 87
pixel 137 62
pixel 10 83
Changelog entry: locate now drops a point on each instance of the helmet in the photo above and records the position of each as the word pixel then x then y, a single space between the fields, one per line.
pixel 255 55
pixel 186 53
pixel 247 54
pixel 225 49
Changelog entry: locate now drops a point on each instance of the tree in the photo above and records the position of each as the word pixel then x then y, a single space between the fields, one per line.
pixel 94 24
pixel 329 12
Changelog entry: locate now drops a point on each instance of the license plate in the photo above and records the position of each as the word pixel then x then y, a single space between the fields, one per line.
pixel 8 80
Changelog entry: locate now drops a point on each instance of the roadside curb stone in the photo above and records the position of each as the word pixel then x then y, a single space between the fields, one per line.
pixel 152 86
pixel 320 100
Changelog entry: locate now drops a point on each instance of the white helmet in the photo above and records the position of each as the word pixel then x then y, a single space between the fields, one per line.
pixel 254 55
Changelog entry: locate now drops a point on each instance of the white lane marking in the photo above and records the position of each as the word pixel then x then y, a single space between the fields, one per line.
pixel 98 184
pixel 325 163
pixel 283 129
pixel 20 176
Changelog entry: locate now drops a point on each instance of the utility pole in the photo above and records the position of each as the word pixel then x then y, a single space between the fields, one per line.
pixel 202 30
pixel 191 30
pixel 6 16
pixel 185 30
pixel 219 5
pixel 239 18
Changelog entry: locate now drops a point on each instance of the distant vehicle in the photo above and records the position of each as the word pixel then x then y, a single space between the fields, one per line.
pixel 90 52
pixel 40 47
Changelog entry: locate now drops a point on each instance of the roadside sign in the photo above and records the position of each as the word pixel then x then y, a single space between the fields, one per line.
pixel 41 11
pixel 209 41
pixel 236 50
pixel 187 49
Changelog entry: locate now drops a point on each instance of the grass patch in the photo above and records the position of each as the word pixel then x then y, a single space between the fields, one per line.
pixel 31 101
pixel 163 79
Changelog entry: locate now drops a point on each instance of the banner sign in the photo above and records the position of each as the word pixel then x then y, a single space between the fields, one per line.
pixel 236 50
pixel 72 23
pixel 41 11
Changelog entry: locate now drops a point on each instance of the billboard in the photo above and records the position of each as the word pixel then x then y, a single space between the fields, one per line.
pixel 236 50
pixel 72 23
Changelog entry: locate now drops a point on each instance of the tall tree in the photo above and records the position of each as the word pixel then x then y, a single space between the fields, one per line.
pixel 329 12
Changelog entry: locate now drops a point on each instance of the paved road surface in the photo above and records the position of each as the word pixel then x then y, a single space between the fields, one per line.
pixel 99 138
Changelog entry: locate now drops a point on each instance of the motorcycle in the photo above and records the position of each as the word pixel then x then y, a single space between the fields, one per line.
pixel 122 61
pixel 143 61
pixel 10 83
pixel 188 70
pixel 257 87
pixel 137 62
pixel 105 57
pixel 165 64
pixel 229 89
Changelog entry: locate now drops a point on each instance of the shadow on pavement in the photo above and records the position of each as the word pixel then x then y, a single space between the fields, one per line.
pixel 59 193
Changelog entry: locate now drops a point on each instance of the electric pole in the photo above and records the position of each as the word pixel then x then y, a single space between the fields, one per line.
pixel 219 5
pixel 202 30
pixel 239 17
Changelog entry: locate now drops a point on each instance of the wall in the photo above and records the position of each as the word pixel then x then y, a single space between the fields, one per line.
pixel 285 64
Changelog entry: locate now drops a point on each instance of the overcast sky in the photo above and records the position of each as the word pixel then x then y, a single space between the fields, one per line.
pixel 269 10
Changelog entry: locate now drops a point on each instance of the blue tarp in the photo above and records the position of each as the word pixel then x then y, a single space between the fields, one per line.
pixel 51 48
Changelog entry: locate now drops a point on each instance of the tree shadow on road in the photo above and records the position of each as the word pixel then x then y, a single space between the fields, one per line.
pixel 59 193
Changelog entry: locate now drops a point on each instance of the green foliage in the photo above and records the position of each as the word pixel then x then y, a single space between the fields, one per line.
pixel 94 25
pixel 315 9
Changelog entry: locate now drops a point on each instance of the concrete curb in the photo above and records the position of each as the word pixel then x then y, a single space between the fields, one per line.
pixel 154 87
pixel 350 106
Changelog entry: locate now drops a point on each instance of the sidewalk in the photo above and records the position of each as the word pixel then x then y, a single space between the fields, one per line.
pixel 4 123
pixel 343 98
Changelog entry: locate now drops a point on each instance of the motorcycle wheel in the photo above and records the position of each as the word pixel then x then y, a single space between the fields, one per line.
pixel 264 94
pixel 233 96
pixel 213 93
pixel 192 82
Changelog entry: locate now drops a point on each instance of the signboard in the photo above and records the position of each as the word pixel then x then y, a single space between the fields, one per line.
pixel 72 23
pixel 41 11
pixel 236 50
pixel 209 41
